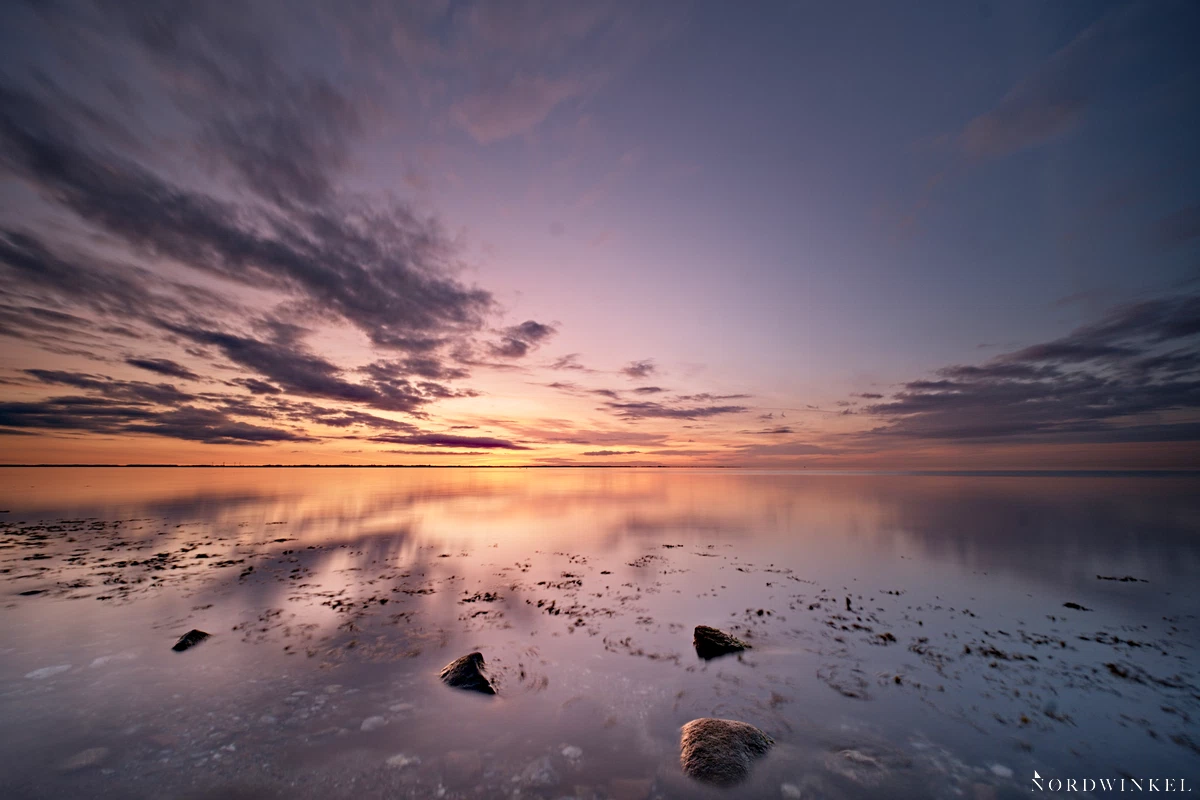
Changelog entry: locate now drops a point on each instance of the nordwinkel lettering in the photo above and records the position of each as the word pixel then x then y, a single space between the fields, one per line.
pixel 1041 784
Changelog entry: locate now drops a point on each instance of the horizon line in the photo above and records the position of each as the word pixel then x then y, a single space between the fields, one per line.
pixel 847 470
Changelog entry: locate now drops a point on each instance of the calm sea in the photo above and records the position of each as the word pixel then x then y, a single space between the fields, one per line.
pixel 914 635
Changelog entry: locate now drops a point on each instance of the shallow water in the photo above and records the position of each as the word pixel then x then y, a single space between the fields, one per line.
pixel 335 595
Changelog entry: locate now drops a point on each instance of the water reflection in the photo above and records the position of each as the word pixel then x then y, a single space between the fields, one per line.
pixel 581 587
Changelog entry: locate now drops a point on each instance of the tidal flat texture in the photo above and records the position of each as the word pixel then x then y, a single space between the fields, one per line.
pixel 911 636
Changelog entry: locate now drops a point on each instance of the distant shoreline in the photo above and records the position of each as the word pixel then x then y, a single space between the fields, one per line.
pixel 997 473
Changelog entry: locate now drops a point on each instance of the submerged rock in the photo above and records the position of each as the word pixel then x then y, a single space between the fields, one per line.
pixel 372 724
pixel 189 640
pixel 467 673
pixel 857 766
pixel 539 774
pixel 710 642
pixel 720 751
pixel 47 672
pixel 92 757
pixel 402 760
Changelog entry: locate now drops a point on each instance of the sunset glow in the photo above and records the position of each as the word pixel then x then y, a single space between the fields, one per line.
pixel 590 234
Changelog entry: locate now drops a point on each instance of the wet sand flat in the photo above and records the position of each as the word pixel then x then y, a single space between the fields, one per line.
pixel 910 635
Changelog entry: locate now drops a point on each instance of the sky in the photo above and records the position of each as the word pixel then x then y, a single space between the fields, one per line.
pixel 956 235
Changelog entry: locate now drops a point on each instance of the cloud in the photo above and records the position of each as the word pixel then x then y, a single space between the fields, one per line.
pixel 640 369
pixel 611 453
pixel 163 366
pixel 1133 375
pixel 780 449
pixel 133 391
pixel 211 427
pixel 686 451
pixel 38 276
pixel 98 415
pixel 646 410
pixel 290 365
pixel 289 150
pixel 376 265
pixel 304 412
pixel 706 397
pixel 648 390
pixel 569 387
pixel 448 440
pixel 257 387
pixel 771 431
pixel 193 179
pixel 569 362
pixel 568 433
pixel 512 109
pixel 420 366
pixel 440 452
pixel 518 340
pixel 1053 100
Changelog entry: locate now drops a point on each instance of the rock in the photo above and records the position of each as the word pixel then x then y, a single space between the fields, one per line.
pixel 710 642
pixel 467 673
pixel 402 760
pixel 720 751
pixel 629 788
pixel 47 672
pixel 372 724
pixel 858 767
pixel 539 774
pixel 189 640
pixel 92 757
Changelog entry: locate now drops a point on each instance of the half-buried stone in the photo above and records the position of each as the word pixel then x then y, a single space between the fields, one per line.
pixel 720 751
pixel 189 640
pixel 710 642
pixel 467 673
